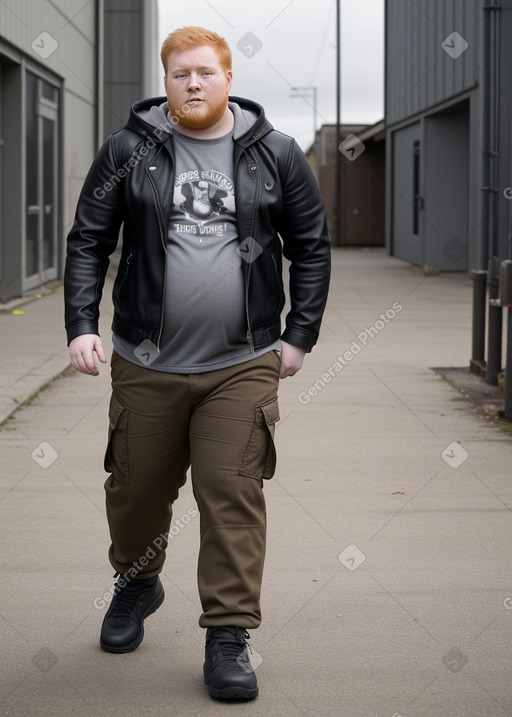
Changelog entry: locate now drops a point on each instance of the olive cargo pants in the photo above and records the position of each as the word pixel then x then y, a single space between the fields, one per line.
pixel 220 424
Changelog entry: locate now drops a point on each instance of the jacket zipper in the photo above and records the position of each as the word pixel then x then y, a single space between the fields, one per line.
pixel 162 241
pixel 249 335
pixel 127 264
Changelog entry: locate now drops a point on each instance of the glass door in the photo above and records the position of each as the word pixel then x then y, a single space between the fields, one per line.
pixel 41 182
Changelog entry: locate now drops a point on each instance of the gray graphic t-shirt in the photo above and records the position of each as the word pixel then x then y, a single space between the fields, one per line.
pixel 204 320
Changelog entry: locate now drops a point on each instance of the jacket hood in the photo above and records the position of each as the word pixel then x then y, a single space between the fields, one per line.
pixel 149 117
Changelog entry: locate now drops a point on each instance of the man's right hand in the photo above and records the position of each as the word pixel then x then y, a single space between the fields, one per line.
pixel 84 350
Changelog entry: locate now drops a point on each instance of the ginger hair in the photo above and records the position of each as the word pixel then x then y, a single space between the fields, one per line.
pixel 187 38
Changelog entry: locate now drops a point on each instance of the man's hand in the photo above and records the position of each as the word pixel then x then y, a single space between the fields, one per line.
pixel 292 359
pixel 84 350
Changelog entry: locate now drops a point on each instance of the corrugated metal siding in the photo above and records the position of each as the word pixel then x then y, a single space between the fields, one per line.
pixel 419 73
pixel 123 45
pixel 505 141
pixel 129 25
pixel 70 23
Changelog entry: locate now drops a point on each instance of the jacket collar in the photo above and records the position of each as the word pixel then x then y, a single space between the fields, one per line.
pixel 251 120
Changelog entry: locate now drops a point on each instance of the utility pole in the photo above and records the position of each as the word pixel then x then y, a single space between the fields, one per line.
pixel 337 183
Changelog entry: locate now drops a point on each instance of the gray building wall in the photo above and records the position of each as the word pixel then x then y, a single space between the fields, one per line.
pixel 53 118
pixel 132 32
pixel 435 97
pixel 419 74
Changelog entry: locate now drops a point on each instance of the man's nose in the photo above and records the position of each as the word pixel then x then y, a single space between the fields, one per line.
pixel 194 82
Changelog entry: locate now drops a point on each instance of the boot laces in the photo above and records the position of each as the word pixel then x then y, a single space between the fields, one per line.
pixel 233 645
pixel 125 597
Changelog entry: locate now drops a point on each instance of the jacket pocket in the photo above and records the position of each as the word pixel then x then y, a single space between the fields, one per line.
pixel 116 455
pixel 260 458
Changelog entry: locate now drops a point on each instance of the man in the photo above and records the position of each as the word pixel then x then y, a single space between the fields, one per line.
pixel 210 196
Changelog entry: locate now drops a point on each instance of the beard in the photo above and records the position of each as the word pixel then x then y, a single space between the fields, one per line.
pixel 202 117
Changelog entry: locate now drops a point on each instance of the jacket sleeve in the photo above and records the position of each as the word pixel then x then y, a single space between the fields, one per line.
pixel 306 245
pixel 93 237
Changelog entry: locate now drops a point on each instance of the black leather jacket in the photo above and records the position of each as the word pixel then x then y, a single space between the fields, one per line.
pixel 131 182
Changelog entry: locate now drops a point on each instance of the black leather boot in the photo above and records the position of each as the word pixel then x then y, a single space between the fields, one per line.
pixel 134 600
pixel 227 669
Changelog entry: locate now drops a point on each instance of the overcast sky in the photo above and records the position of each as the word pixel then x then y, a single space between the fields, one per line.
pixel 287 43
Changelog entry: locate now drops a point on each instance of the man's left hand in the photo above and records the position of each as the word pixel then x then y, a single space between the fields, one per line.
pixel 292 359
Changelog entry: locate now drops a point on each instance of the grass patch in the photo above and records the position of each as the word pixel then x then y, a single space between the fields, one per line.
pixel 4 425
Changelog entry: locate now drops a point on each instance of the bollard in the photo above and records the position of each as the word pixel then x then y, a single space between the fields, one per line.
pixel 477 363
pixel 506 301
pixel 508 369
pixel 495 324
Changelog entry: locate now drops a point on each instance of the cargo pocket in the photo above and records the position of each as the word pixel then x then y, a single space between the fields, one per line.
pixel 116 455
pixel 259 459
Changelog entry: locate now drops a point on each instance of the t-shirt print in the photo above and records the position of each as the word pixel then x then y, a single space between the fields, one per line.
pixel 203 197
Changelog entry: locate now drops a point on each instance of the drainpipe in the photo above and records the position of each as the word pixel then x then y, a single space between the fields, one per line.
pixel 507 393
pixel 337 176
pixel 99 73
pixel 490 179
pixel 477 363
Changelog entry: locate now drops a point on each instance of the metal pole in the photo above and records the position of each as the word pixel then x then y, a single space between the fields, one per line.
pixel 337 183
pixel 315 111
pixel 491 106
pixel 495 328
pixel 508 371
pixel 477 362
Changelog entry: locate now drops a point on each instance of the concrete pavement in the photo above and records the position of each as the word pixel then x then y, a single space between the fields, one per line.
pixel 387 586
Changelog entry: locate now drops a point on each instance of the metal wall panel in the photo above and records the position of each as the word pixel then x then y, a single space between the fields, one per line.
pixel 61 41
pixel 130 58
pixel 446 189
pixel 54 40
pixel 420 73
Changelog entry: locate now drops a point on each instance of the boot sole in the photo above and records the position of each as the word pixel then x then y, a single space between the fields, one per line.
pixel 134 645
pixel 229 693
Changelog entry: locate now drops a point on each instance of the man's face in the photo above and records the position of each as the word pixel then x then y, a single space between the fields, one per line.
pixel 197 87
